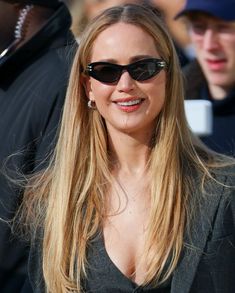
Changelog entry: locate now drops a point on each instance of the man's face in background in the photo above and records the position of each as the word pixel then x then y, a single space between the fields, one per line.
pixel 214 42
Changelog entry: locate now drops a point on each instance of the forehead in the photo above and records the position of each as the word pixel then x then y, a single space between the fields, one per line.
pixel 208 18
pixel 123 39
pixel 121 26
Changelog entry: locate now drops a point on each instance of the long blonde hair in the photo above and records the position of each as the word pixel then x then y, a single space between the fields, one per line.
pixel 68 198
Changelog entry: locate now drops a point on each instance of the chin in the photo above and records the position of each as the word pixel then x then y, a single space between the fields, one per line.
pixel 221 81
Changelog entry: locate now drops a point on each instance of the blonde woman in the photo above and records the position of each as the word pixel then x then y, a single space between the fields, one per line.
pixel 132 202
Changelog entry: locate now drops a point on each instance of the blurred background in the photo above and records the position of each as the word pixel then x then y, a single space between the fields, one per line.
pixel 84 10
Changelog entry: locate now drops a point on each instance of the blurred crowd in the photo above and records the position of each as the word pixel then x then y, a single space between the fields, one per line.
pixel 84 10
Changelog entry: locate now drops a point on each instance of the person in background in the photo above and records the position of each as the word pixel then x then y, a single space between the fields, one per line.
pixel 177 28
pixel 94 7
pixel 131 201
pixel 212 77
pixel 35 49
pixel 84 10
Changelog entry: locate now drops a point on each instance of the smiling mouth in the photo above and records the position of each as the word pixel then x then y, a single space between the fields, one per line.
pixel 130 103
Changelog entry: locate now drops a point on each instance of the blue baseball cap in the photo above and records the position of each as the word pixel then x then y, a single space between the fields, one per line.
pixel 223 9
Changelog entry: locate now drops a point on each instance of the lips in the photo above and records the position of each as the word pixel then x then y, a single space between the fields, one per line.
pixel 129 104
pixel 216 64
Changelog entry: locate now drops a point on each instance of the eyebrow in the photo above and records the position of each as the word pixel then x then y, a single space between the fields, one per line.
pixel 132 59
pixel 139 57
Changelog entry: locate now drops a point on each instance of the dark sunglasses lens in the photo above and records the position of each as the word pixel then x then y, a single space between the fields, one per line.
pixel 105 73
pixel 144 70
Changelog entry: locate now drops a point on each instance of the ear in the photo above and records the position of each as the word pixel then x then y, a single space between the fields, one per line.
pixel 86 80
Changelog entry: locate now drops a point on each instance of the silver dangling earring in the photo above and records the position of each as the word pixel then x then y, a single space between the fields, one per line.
pixel 91 104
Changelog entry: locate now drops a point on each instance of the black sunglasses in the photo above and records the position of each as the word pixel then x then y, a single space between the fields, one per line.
pixel 140 70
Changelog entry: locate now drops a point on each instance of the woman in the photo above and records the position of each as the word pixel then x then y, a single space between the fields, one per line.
pixel 132 202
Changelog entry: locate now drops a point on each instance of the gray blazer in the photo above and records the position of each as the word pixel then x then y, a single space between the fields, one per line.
pixel 207 264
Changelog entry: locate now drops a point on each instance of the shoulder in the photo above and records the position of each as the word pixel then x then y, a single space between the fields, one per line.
pixel 214 194
pixel 222 189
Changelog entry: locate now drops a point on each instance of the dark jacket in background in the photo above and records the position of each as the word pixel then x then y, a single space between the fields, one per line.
pixel 222 139
pixel 33 83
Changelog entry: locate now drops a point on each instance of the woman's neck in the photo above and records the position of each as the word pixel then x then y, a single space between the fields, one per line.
pixel 129 154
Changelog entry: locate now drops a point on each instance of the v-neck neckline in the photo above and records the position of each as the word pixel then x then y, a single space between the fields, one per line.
pixel 103 276
pixel 114 266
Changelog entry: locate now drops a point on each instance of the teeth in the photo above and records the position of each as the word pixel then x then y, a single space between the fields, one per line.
pixel 129 103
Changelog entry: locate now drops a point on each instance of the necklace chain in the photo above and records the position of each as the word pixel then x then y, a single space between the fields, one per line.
pixel 20 30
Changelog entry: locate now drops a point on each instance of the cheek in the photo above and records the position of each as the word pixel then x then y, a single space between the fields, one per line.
pixel 231 51
pixel 100 91
pixel 196 40
pixel 158 97
pixel 158 91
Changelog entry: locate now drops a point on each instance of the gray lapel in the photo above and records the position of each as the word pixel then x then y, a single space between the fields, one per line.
pixel 201 227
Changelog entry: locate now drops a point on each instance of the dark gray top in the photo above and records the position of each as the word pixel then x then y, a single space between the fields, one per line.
pixel 104 276
pixel 207 262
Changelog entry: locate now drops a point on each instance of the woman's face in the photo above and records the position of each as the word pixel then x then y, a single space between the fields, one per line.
pixel 128 105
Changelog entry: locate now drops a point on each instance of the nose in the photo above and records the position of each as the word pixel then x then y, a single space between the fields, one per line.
pixel 125 83
pixel 210 39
